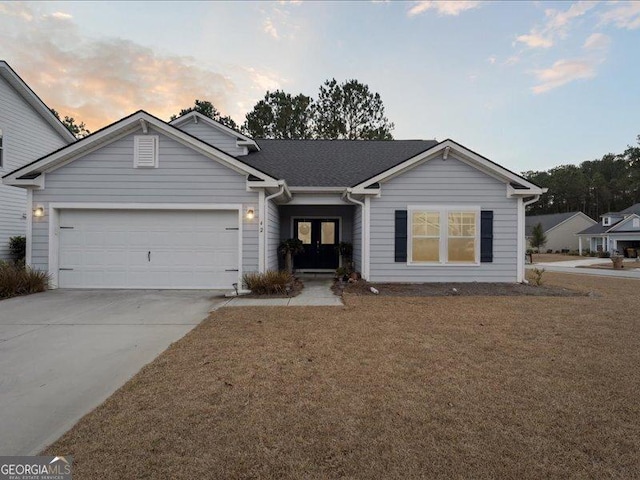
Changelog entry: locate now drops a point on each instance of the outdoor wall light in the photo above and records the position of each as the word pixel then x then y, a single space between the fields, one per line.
pixel 38 212
pixel 250 214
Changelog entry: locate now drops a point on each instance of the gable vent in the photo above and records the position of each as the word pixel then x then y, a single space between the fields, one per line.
pixel 145 151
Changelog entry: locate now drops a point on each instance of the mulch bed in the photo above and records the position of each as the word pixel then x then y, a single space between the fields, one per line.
pixel 296 288
pixel 471 289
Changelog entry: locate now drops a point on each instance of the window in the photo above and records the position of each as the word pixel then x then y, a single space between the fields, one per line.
pixel 606 221
pixel 1 150
pixel 444 235
pixel 636 223
pixel 145 151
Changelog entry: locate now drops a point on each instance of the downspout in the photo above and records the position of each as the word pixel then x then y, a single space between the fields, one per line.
pixel 521 237
pixel 265 223
pixel 365 227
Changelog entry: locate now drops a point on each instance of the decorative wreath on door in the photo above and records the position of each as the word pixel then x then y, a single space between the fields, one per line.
pixel 304 229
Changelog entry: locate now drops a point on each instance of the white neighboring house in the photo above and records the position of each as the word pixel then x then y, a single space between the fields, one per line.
pixel 559 228
pixel 616 232
pixel 28 130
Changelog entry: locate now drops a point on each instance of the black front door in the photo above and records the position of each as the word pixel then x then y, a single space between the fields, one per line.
pixel 319 238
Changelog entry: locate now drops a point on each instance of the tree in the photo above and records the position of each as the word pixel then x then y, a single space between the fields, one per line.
pixel 207 109
pixel 79 130
pixel 280 115
pixel 538 238
pixel 350 111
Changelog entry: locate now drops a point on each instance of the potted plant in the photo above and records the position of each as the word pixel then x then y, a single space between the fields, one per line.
pixel 289 248
pixel 346 253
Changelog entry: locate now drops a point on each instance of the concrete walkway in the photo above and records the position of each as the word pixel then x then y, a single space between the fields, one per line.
pixel 581 267
pixel 316 293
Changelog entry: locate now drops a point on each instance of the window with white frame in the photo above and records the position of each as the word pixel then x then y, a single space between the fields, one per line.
pixel 1 150
pixel 444 235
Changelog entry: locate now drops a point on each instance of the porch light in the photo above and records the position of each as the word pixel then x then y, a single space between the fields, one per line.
pixel 250 214
pixel 38 212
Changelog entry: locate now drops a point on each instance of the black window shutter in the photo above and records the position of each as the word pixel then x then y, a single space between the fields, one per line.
pixel 401 236
pixel 486 236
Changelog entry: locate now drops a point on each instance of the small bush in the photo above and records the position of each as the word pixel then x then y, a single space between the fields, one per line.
pixel 604 254
pixel 537 276
pixel 18 248
pixel 549 250
pixel 268 283
pixel 17 280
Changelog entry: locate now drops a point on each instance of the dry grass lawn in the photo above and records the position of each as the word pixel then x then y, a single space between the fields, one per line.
pixel 443 387
pixel 554 257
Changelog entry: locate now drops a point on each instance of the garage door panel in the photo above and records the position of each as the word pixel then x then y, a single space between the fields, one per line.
pixel 110 249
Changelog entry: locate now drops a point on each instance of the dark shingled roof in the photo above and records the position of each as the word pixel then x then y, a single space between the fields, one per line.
pixel 331 163
pixel 595 229
pixel 548 221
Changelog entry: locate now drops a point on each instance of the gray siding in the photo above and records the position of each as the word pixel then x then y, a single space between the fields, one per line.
pixel 213 136
pixel 183 176
pixel 26 137
pixel 439 182
pixel 273 235
pixel 357 237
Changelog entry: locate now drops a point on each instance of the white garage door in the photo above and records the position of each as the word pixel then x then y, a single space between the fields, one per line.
pixel 148 249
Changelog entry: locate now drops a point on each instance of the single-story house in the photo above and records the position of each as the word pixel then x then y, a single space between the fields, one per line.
pixel 28 130
pixel 193 204
pixel 616 232
pixel 559 228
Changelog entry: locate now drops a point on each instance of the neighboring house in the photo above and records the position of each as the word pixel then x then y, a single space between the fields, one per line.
pixel 559 228
pixel 616 232
pixel 192 204
pixel 28 130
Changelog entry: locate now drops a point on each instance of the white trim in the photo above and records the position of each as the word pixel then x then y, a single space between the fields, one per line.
pixel 29 232
pixel 363 243
pixel 617 226
pixel 54 224
pixel 130 125
pixel 262 231
pixel 241 140
pixel 464 155
pixel 14 80
pixel 317 189
pixel 366 235
pixel 521 241
pixel 443 211
pixel 265 252
pixel 136 149
pixel 315 198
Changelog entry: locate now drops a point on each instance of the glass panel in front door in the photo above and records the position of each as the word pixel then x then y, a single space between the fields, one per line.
pixel 304 232
pixel 328 235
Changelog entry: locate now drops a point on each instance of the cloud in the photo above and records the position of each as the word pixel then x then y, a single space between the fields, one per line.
pixel 557 25
pixel 16 9
pixel 563 72
pixel 492 59
pixel 61 16
pixel 270 29
pixel 443 7
pixel 597 41
pixel 626 15
pixel 98 81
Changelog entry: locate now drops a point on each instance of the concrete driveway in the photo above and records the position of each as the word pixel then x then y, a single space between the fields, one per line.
pixel 63 352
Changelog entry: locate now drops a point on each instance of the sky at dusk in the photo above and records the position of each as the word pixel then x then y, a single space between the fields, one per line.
pixel 530 85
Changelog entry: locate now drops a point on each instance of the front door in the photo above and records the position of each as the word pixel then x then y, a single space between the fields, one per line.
pixel 319 239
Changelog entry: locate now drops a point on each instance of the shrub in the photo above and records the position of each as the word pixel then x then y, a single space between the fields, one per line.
pixel 18 248
pixel 537 275
pixel 604 254
pixel 17 280
pixel 267 283
pixel 549 250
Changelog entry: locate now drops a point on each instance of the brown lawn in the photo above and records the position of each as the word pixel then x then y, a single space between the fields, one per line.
pixel 432 387
pixel 554 257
